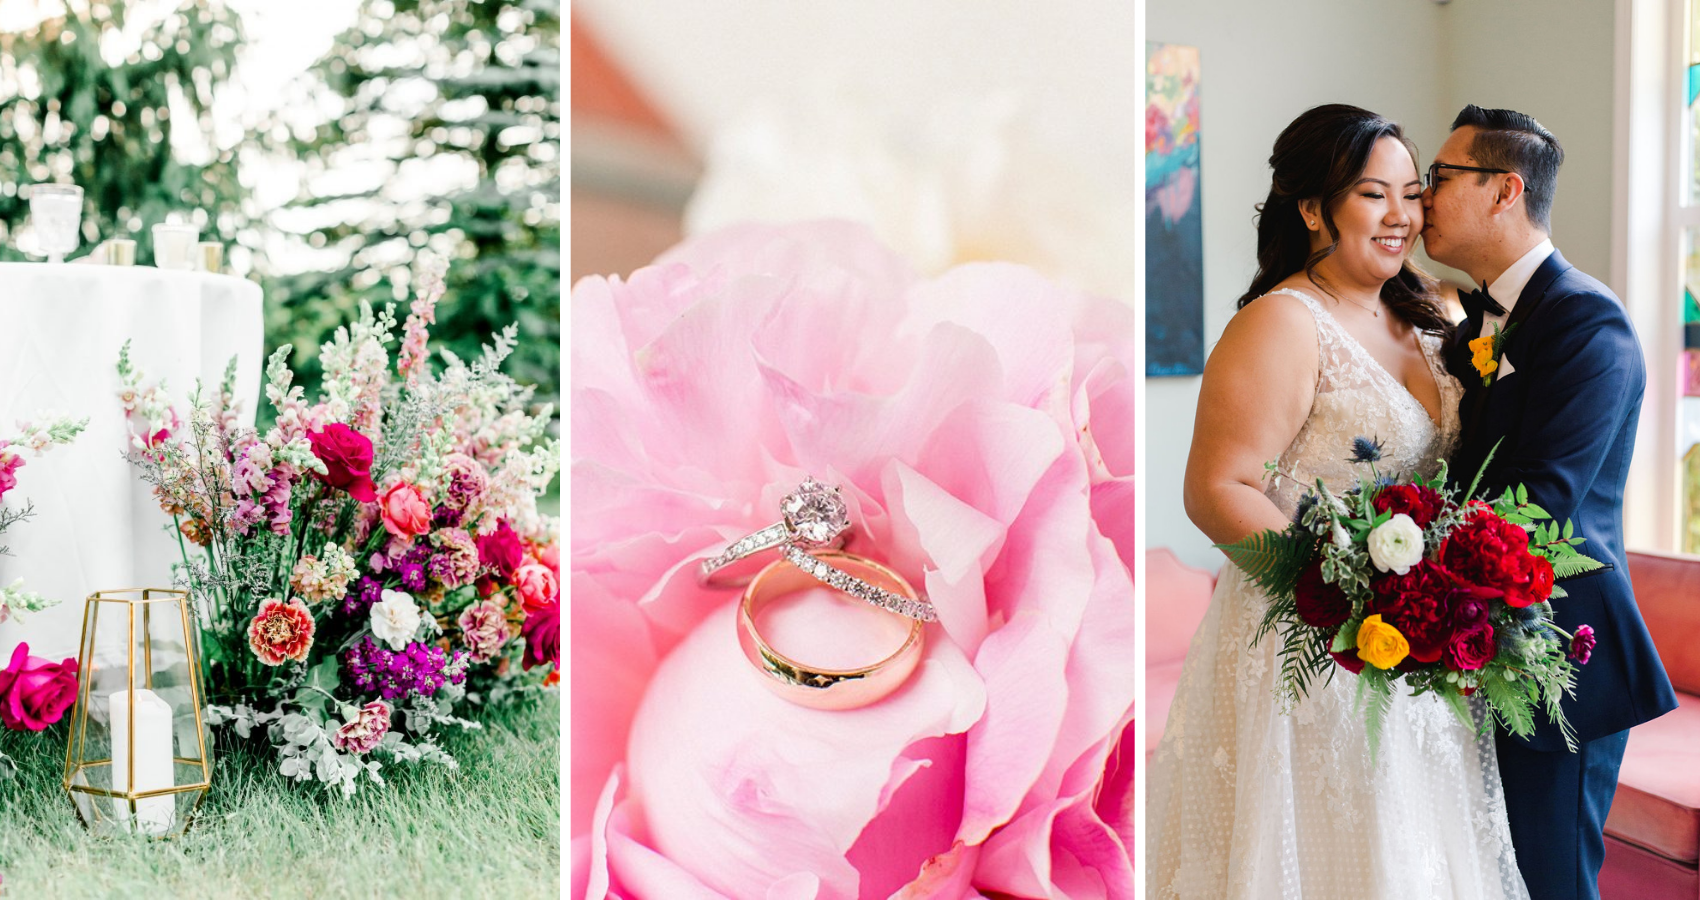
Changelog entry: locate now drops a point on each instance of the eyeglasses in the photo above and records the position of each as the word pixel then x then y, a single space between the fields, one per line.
pixel 1433 178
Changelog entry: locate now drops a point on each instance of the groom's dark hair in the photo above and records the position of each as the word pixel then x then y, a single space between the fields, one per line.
pixel 1507 139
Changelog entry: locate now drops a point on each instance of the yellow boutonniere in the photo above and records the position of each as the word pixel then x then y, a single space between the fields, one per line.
pixel 1485 352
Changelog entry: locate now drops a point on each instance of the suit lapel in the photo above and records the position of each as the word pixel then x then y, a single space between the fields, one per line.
pixel 1534 293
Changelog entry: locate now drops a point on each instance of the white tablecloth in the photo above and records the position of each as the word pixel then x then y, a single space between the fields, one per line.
pixel 96 525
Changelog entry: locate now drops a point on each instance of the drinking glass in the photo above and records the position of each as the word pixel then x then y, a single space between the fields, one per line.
pixel 57 210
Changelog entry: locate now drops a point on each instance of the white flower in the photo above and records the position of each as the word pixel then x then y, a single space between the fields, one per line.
pixel 1396 544
pixel 395 619
pixel 1341 538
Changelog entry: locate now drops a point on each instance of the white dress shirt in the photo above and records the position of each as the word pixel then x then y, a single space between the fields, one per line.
pixel 1507 288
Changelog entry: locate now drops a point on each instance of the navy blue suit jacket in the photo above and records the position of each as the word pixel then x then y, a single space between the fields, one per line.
pixel 1566 417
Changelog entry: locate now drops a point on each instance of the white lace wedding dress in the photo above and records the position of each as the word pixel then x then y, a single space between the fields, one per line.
pixel 1246 801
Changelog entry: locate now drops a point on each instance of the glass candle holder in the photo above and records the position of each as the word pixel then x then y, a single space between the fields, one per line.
pixel 57 212
pixel 174 245
pixel 139 754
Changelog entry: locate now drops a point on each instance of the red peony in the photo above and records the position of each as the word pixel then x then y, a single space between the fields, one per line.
pixel 542 633
pixel 347 455
pixel 1541 586
pixel 1472 649
pixel 1489 552
pixel 1422 504
pixel 35 693
pixel 281 631
pixel 1418 603
pixel 1320 604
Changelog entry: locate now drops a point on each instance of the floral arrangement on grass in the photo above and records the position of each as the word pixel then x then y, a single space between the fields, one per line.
pixel 33 691
pixel 1412 581
pixel 373 562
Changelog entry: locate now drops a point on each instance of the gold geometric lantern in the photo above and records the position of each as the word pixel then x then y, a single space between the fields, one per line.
pixel 139 755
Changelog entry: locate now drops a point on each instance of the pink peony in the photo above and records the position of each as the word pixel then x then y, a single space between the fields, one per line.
pixel 281 631
pixel 366 731
pixel 536 585
pixel 35 693
pixel 405 512
pixel 981 425
pixel 484 629
pixel 542 633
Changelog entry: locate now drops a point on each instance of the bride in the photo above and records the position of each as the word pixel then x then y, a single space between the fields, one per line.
pixel 1338 336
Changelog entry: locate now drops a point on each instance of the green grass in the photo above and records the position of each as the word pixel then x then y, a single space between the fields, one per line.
pixel 491 829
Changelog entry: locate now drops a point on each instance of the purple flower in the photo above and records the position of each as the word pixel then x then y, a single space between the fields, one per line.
pixel 361 595
pixel 419 669
pixel 1582 645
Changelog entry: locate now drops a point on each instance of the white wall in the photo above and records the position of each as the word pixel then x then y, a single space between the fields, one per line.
pixel 1414 61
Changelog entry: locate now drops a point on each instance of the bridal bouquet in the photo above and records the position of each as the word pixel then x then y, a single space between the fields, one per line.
pixel 34 692
pixel 1406 581
pixel 373 561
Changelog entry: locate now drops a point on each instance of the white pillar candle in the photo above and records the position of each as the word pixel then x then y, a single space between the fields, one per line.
pixel 153 764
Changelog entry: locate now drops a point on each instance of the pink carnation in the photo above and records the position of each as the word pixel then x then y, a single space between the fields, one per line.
pixel 366 731
pixel 467 481
pixel 455 564
pixel 484 629
pixel 981 427
pixel 281 631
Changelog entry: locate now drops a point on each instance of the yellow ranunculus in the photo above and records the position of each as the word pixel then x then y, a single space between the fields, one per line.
pixel 1483 360
pixel 1380 644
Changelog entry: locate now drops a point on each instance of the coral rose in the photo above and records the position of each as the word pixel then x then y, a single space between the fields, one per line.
pixel 281 631
pixel 347 455
pixel 405 512
pixel 980 425
pixel 536 585
pixel 35 693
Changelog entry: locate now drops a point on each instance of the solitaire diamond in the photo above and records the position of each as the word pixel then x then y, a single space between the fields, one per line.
pixel 815 513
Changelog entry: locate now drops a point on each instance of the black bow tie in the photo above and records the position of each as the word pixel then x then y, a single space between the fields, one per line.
pixel 1477 303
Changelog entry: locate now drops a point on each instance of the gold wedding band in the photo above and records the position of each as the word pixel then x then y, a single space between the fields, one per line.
pixel 812 686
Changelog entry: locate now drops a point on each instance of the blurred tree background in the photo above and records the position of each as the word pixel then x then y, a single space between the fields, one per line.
pixel 95 99
pixel 427 95
pixel 430 130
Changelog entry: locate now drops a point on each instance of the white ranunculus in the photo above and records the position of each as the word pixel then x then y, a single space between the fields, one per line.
pixel 1396 544
pixel 395 619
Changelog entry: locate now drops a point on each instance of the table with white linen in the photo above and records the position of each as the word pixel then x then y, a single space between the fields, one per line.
pixel 97 526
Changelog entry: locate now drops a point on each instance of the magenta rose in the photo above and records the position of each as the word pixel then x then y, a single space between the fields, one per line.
pixel 1472 649
pixel 500 551
pixel 366 731
pixel 347 455
pixel 35 693
pixel 542 633
pixel 1321 605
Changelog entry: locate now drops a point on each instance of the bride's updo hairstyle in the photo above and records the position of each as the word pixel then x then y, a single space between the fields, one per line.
pixel 1321 156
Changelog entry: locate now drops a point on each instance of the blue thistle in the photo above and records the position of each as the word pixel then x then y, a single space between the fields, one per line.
pixel 1306 502
pixel 1365 449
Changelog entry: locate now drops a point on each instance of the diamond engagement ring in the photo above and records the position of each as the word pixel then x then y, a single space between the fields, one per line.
pixel 814 686
pixel 814 515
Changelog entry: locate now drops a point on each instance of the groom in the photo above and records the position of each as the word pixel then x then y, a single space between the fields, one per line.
pixel 1563 398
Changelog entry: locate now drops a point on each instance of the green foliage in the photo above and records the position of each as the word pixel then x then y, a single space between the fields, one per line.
pixel 1272 560
pixel 473 88
pixel 73 109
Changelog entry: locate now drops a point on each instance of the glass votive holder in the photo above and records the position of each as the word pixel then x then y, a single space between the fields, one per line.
pixel 57 213
pixel 174 245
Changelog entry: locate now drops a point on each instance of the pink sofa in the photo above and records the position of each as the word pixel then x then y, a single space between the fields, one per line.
pixel 1176 596
pixel 1653 832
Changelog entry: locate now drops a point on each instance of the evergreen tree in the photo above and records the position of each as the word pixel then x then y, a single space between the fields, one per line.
pixel 85 99
pixel 443 137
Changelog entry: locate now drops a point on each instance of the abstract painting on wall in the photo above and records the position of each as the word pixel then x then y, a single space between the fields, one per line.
pixel 1174 224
